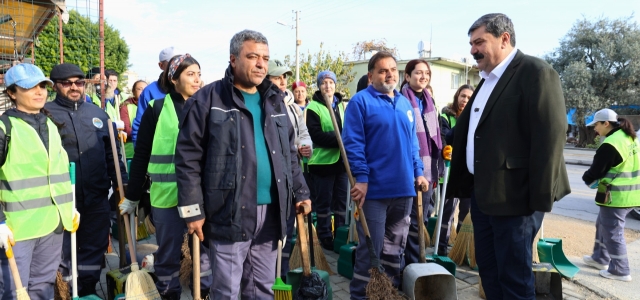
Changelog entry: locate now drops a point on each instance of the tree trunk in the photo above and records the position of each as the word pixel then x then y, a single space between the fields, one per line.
pixel 586 136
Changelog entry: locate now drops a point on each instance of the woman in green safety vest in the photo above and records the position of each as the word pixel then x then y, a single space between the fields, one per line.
pixel 154 153
pixel 128 111
pixel 451 112
pixel 615 173
pixel 35 189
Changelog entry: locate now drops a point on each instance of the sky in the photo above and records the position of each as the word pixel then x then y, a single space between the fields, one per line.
pixel 204 28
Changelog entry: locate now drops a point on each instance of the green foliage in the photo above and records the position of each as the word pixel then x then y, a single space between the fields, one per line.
pixel 599 65
pixel 81 45
pixel 321 61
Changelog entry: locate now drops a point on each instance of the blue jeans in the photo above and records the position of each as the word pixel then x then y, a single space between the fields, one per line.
pixel 503 252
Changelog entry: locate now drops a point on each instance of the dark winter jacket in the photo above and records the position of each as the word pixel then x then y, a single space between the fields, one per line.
pixel 216 163
pixel 85 137
pixel 445 121
pixel 323 139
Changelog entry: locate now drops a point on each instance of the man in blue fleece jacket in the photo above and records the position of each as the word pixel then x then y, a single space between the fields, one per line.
pixel 382 149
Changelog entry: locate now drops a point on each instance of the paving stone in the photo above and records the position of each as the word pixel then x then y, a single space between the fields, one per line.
pixel 344 285
pixel 469 293
pixel 573 294
pixel 463 274
pixel 461 285
pixel 335 287
pixel 341 295
pixel 472 280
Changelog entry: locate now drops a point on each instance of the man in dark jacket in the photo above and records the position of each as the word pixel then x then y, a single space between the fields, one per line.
pixel 85 137
pixel 237 171
pixel 507 156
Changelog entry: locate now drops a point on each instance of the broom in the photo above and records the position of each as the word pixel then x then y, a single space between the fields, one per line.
pixel 481 290
pixel 21 292
pixel 281 290
pixel 464 241
pixel 140 285
pixel 319 260
pixel 454 234
pixel 186 264
pixel 379 286
pixel 61 289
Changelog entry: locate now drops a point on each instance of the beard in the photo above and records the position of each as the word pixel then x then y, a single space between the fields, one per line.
pixel 385 87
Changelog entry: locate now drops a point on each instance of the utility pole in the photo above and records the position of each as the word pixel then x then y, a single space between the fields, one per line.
pixel 298 43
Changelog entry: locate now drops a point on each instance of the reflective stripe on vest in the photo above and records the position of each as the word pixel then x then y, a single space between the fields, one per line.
pixel 625 187
pixel 164 189
pixel 325 156
pixel 35 189
pixel 128 146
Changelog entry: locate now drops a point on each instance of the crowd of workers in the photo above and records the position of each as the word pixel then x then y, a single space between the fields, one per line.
pixel 233 160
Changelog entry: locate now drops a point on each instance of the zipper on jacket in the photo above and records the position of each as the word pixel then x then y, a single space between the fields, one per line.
pixel 76 105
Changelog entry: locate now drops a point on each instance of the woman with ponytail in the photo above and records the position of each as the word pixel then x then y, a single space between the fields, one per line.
pixel 154 153
pixel 35 194
pixel 615 173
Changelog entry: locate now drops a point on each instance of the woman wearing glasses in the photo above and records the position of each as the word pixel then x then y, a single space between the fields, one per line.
pixel 36 191
pixel 85 137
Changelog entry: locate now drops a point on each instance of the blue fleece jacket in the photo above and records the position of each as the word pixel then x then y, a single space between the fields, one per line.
pixel 380 139
pixel 151 92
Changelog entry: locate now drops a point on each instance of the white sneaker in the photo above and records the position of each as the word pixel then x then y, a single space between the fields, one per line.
pixel 606 274
pixel 589 261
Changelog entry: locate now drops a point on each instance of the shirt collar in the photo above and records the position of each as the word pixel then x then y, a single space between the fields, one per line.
pixel 501 67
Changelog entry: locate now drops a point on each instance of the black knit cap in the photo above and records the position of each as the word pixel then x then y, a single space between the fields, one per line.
pixel 64 71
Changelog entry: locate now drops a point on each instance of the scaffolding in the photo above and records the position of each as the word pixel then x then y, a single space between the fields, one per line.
pixel 23 22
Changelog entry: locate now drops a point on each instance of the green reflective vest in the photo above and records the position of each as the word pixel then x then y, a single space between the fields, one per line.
pixel 625 177
pixel 35 189
pixel 128 146
pixel 325 156
pixel 111 110
pixel 162 170
pixel 451 119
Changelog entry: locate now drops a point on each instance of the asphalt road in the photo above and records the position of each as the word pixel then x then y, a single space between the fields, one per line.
pixel 580 204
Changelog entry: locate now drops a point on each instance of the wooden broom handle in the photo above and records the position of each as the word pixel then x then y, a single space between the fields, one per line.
pixel 127 226
pixel 304 242
pixel 421 243
pixel 195 258
pixel 14 267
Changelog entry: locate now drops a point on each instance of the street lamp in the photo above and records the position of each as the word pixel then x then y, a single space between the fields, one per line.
pixel 298 42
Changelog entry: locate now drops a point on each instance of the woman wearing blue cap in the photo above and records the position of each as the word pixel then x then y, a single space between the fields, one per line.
pixel 35 193
pixel 615 172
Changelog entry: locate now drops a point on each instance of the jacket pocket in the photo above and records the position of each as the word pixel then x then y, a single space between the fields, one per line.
pixel 220 184
pixel 223 132
pixel 517 162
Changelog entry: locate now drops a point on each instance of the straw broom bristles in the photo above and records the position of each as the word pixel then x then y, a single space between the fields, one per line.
pixel 61 288
pixel 150 228
pixel 454 233
pixel 380 287
pixel 186 265
pixel 481 290
pixel 464 241
pixel 318 255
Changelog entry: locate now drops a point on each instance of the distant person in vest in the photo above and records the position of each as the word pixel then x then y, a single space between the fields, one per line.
pixel 326 166
pixel 128 111
pixel 35 193
pixel 113 96
pixel 448 117
pixel 152 91
pixel 417 75
pixel 278 75
pixel 86 140
pixel 154 153
pixel 615 174
pixel 92 90
pixel 237 171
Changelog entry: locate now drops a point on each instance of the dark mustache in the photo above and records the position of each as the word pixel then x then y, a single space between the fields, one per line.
pixel 477 56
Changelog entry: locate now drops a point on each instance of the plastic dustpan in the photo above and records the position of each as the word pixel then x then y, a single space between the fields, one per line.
pixel 550 251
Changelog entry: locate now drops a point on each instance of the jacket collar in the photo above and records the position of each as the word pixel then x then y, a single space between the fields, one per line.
pixel 317 96
pixel 266 88
pixel 31 119
pixel 66 102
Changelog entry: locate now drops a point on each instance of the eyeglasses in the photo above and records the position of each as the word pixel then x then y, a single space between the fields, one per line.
pixel 67 83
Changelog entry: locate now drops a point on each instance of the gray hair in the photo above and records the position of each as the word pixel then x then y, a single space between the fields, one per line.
pixel 496 25
pixel 243 36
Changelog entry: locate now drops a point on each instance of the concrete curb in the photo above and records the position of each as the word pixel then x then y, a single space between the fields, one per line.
pixel 600 293
pixel 578 162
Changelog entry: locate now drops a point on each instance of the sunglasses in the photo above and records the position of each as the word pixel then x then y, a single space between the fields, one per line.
pixel 67 83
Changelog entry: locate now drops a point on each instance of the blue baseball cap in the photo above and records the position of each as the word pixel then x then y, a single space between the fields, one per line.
pixel 25 76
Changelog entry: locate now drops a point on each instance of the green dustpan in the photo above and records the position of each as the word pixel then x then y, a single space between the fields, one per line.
pixel 550 251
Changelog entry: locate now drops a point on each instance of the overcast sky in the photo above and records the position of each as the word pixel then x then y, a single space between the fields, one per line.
pixel 204 28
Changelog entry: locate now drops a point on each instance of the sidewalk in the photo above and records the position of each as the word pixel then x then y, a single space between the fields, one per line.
pixel 578 156
pixel 584 286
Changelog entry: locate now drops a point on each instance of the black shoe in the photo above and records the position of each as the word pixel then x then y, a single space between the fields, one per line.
pixel 204 294
pixel 327 243
pixel 170 296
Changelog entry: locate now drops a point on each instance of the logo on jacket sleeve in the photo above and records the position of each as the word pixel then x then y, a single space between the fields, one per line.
pixel 97 123
pixel 410 116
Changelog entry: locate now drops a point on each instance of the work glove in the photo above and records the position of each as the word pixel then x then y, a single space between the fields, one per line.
pixel 119 124
pixel 594 185
pixel 122 135
pixel 127 206
pixel 76 221
pixel 6 236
